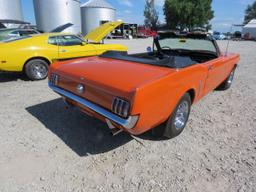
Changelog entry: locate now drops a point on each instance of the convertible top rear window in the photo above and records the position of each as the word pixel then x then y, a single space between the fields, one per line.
pixel 191 44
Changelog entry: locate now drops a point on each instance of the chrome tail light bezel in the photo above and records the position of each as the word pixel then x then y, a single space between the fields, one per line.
pixel 121 107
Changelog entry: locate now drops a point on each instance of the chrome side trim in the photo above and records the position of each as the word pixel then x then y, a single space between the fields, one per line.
pixel 128 123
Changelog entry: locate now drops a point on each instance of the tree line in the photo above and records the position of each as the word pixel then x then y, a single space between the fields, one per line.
pixel 187 14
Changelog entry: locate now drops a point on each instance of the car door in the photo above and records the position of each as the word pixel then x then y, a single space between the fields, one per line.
pixel 71 46
pixel 52 48
pixel 215 73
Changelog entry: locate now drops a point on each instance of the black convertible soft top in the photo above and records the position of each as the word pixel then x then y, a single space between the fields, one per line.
pixel 172 62
pixel 159 58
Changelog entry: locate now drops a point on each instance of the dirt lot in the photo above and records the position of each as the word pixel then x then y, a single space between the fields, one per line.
pixel 46 148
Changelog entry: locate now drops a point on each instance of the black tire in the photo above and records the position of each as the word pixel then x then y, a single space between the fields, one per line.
pixel 228 82
pixel 36 69
pixel 170 128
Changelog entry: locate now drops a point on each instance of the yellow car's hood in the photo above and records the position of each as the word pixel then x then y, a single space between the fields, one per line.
pixel 100 32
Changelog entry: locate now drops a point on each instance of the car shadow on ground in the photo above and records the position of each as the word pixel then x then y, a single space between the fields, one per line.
pixel 7 77
pixel 83 134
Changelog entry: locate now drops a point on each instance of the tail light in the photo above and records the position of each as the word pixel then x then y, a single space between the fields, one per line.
pixel 121 107
pixel 54 79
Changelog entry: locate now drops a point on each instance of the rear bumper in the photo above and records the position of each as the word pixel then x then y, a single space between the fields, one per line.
pixel 128 123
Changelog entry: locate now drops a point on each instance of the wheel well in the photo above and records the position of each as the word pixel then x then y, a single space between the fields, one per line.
pixel 192 94
pixel 42 58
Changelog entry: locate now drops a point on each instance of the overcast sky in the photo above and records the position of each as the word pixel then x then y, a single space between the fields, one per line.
pixel 227 12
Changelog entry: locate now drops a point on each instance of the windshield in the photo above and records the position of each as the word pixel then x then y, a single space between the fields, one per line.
pixel 187 44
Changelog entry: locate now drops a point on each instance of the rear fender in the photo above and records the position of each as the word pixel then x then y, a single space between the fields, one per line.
pixel 156 101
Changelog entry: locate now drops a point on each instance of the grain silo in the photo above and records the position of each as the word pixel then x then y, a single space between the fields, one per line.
pixel 52 13
pixel 11 9
pixel 96 12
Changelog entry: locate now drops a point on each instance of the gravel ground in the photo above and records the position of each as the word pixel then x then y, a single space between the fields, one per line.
pixel 44 147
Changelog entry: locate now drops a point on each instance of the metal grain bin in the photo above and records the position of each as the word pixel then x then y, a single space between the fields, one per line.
pixel 96 12
pixel 11 9
pixel 53 13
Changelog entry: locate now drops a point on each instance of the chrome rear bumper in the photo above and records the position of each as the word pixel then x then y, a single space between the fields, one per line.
pixel 128 123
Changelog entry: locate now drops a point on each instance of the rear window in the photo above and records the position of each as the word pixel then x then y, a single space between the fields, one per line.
pixel 187 44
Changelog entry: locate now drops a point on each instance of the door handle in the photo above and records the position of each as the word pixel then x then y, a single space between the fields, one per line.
pixel 63 50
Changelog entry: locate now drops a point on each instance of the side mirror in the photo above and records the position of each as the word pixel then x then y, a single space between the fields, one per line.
pixel 83 43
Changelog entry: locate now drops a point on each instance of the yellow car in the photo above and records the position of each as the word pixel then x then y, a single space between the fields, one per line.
pixel 32 55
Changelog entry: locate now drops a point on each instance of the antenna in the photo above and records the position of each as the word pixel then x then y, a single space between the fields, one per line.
pixel 231 29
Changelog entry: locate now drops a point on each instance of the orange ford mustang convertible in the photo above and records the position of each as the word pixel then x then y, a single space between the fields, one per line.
pixel 152 90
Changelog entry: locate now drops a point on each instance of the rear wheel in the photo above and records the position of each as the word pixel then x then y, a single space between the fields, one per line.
pixel 36 69
pixel 177 121
pixel 228 82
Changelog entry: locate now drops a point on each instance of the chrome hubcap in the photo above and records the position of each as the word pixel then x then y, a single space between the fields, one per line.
pixel 39 71
pixel 231 77
pixel 181 116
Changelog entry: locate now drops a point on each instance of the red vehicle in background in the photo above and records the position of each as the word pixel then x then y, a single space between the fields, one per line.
pixel 145 32
pixel 248 36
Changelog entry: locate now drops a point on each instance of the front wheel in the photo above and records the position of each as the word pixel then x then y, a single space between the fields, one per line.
pixel 36 69
pixel 177 121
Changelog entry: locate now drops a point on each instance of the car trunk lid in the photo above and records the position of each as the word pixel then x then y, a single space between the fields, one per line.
pixel 105 78
pixel 102 31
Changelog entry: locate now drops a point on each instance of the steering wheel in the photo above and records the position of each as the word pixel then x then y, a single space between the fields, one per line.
pixel 162 55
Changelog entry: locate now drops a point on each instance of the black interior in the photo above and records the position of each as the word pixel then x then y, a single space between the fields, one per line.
pixel 167 58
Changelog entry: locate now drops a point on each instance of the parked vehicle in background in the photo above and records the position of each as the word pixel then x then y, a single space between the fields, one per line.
pixel 9 33
pixel 124 31
pixel 145 32
pixel 219 36
pixel 16 32
pixel 248 37
pixel 32 55
pixel 153 90
pixel 237 36
pixel 6 22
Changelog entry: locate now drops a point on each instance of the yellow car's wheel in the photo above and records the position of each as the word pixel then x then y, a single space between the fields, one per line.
pixel 36 69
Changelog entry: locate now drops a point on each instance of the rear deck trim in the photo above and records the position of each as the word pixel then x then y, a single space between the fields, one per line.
pixel 128 123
